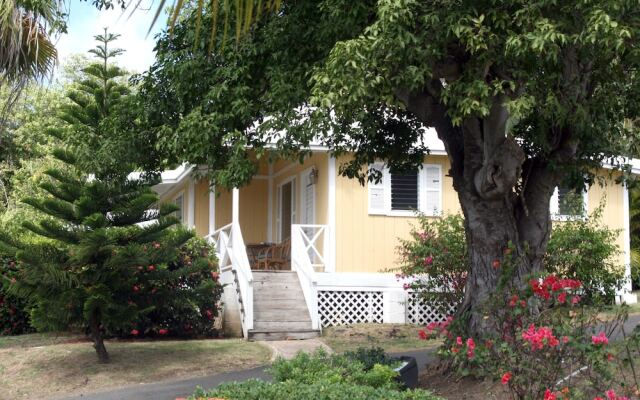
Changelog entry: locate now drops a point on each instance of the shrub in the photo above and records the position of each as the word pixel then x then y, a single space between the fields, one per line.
pixel 585 250
pixel 369 357
pixel 14 318
pixel 434 261
pixel 182 307
pixel 542 342
pixel 260 390
pixel 332 368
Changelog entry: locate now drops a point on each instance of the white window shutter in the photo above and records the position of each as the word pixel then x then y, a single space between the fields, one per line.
pixel 430 203
pixel 377 195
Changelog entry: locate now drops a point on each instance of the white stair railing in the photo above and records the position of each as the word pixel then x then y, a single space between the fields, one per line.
pixel 232 258
pixel 305 260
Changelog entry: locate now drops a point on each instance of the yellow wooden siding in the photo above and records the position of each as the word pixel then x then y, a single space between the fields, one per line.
pixel 201 216
pixel 369 243
pixel 253 210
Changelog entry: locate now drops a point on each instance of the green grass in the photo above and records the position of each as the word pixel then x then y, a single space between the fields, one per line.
pixel 33 366
pixel 391 337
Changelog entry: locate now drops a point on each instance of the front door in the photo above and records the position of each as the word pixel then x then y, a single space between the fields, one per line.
pixel 287 209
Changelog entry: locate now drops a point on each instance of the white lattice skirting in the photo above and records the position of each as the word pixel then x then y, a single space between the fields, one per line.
pixel 419 312
pixel 344 307
pixel 349 307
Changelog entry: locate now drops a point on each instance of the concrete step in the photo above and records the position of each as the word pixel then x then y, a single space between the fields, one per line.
pixel 256 334
pixel 299 314
pixel 269 326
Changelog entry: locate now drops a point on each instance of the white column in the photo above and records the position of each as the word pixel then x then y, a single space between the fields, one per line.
pixel 270 204
pixel 212 210
pixel 331 216
pixel 191 209
pixel 235 206
pixel 394 310
pixel 625 295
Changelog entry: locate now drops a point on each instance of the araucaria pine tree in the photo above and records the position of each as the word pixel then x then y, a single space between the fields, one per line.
pixel 87 274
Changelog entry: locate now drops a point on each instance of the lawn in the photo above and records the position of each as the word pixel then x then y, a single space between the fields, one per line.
pixel 391 337
pixel 34 366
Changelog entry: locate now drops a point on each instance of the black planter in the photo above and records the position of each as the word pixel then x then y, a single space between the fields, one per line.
pixel 408 372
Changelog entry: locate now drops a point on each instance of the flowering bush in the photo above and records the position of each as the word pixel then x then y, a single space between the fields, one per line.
pixel 433 261
pixel 585 250
pixel 14 318
pixel 183 295
pixel 544 344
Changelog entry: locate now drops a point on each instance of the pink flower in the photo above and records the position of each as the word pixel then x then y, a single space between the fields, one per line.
pixel 513 301
pixel 428 260
pixel 548 395
pixel 459 341
pixel 135 332
pixel 575 300
pixel 496 264
pixel 611 394
pixel 506 378
pixel 471 346
pixel 565 339
pixel 601 338
pixel 406 286
pixel 540 337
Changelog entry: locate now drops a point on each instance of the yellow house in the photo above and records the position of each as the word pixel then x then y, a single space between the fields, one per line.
pixel 326 239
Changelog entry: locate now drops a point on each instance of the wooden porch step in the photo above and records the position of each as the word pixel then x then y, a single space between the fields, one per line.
pixel 280 304
pixel 274 276
pixel 271 314
pixel 255 334
pixel 277 286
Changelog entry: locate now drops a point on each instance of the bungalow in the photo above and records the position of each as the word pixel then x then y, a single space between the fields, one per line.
pixel 302 247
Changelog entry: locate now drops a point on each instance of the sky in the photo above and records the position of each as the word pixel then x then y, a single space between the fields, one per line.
pixel 85 21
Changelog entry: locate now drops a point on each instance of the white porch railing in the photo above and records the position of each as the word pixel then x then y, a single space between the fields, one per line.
pixel 232 257
pixel 305 260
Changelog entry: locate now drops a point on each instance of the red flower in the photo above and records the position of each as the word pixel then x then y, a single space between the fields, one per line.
pixel 514 300
pixel 496 264
pixel 151 268
pixel 428 260
pixel 459 341
pixel 548 395
pixel 209 314
pixel 565 339
pixel 215 275
pixel 611 394
pixel 601 338
pixel 506 378
pixel 156 245
pixel 163 331
pixel 575 300
pixel 135 332
pixel 540 337
pixel 610 357
pixel 471 346
pixel 422 334
pixel 136 288
pixel 562 297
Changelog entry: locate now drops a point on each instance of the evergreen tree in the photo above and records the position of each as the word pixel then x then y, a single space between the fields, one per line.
pixel 95 263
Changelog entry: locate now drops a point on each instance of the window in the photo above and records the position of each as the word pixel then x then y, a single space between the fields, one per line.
pixel 567 203
pixel 404 191
pixel 403 194
pixel 179 202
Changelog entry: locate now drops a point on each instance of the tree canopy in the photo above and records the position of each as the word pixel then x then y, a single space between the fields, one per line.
pixel 525 95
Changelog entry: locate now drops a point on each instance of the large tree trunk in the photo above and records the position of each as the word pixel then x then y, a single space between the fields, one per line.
pixel 98 338
pixel 503 194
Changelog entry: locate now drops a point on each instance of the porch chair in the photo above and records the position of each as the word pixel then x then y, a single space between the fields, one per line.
pixel 276 257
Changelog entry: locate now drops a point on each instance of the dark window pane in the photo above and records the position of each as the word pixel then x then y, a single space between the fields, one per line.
pixel 570 202
pixel 404 191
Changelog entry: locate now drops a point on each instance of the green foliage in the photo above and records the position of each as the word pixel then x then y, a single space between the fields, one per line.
pixel 98 268
pixel 332 368
pixel 14 318
pixel 585 249
pixel 369 357
pixel 260 390
pixel 321 376
pixel 186 307
pixel 433 261
pixel 538 337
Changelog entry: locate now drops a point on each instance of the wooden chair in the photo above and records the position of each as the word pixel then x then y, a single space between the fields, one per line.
pixel 276 257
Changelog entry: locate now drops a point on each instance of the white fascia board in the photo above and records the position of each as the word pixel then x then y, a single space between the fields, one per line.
pixel 357 281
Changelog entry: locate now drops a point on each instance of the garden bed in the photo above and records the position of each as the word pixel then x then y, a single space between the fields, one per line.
pixel 34 366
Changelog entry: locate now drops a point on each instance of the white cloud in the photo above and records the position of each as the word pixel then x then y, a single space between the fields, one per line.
pixel 85 21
